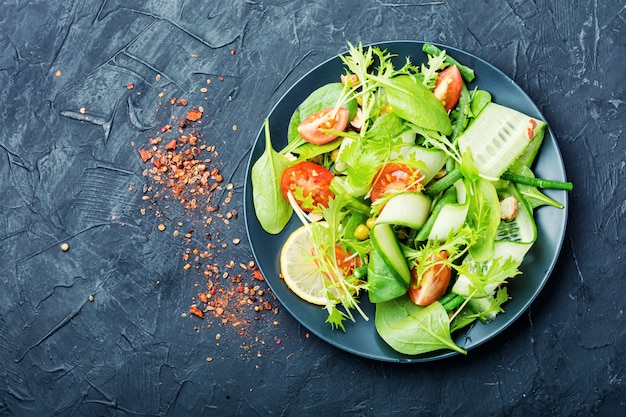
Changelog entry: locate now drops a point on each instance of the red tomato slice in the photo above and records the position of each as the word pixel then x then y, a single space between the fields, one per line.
pixel 395 177
pixel 433 283
pixel 448 87
pixel 313 179
pixel 311 128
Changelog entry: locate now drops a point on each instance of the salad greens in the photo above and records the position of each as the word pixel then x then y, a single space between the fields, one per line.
pixel 446 197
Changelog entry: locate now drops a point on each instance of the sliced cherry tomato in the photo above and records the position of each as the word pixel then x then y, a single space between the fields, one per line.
pixel 395 176
pixel 448 87
pixel 311 128
pixel 433 282
pixel 314 181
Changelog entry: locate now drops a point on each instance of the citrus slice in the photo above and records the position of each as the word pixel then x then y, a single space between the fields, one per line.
pixel 299 269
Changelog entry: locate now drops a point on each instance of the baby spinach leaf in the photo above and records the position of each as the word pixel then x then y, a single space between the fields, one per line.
pixel 326 96
pixel 272 209
pixel 412 101
pixel 412 329
pixel 381 282
pixel 480 99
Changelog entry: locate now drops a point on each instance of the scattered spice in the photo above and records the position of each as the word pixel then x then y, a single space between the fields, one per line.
pixel 196 311
pixel 58 73
pixel 65 246
pixel 193 115
pixel 181 167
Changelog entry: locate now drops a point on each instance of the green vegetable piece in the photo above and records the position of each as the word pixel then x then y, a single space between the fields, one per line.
pixel 413 330
pixel 384 240
pixel 466 72
pixel 497 137
pixel 412 101
pixel 449 197
pixel 270 206
pixel 382 283
pixel 483 216
pixel 530 192
pixel 326 96
pixel 528 156
pixel 480 99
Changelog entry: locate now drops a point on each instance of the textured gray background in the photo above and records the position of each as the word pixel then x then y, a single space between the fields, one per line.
pixel 67 176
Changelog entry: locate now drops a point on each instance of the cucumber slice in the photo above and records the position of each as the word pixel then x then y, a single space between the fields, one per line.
pixel 386 243
pixel 452 216
pixel 433 160
pixel 513 240
pixel 497 137
pixel 409 209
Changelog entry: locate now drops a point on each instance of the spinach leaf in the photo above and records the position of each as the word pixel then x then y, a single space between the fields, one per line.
pixel 412 101
pixel 326 96
pixel 271 208
pixel 412 329
pixel 382 285
pixel 480 99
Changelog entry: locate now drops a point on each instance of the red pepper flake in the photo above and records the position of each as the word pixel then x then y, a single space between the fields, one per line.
pixel 196 311
pixel 171 145
pixel 256 274
pixel 130 86
pixel 145 154
pixel 193 115
pixel 183 170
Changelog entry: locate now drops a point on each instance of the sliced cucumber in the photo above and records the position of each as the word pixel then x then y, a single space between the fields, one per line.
pixel 513 240
pixel 497 137
pixel 433 160
pixel 410 209
pixel 452 216
pixel 384 239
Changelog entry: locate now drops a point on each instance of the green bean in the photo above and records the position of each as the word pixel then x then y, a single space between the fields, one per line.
pixel 537 182
pixel 453 302
pixel 444 183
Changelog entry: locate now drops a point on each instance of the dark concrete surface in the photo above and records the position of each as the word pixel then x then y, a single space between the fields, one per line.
pixel 75 176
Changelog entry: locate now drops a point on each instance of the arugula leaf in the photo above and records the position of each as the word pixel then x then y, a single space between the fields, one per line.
pixel 412 329
pixel 430 71
pixel 270 206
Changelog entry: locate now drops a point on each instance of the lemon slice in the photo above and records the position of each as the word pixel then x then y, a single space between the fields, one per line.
pixel 297 265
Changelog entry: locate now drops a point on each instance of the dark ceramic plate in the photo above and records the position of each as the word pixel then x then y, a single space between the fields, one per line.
pixel 360 337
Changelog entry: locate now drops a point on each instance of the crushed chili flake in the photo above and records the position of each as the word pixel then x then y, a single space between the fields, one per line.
pixel 193 115
pixel 182 169
pixel 196 311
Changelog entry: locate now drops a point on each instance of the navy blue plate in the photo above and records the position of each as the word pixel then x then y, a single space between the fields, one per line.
pixel 361 337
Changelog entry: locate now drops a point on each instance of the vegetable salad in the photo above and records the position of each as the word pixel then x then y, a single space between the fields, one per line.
pixel 424 190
